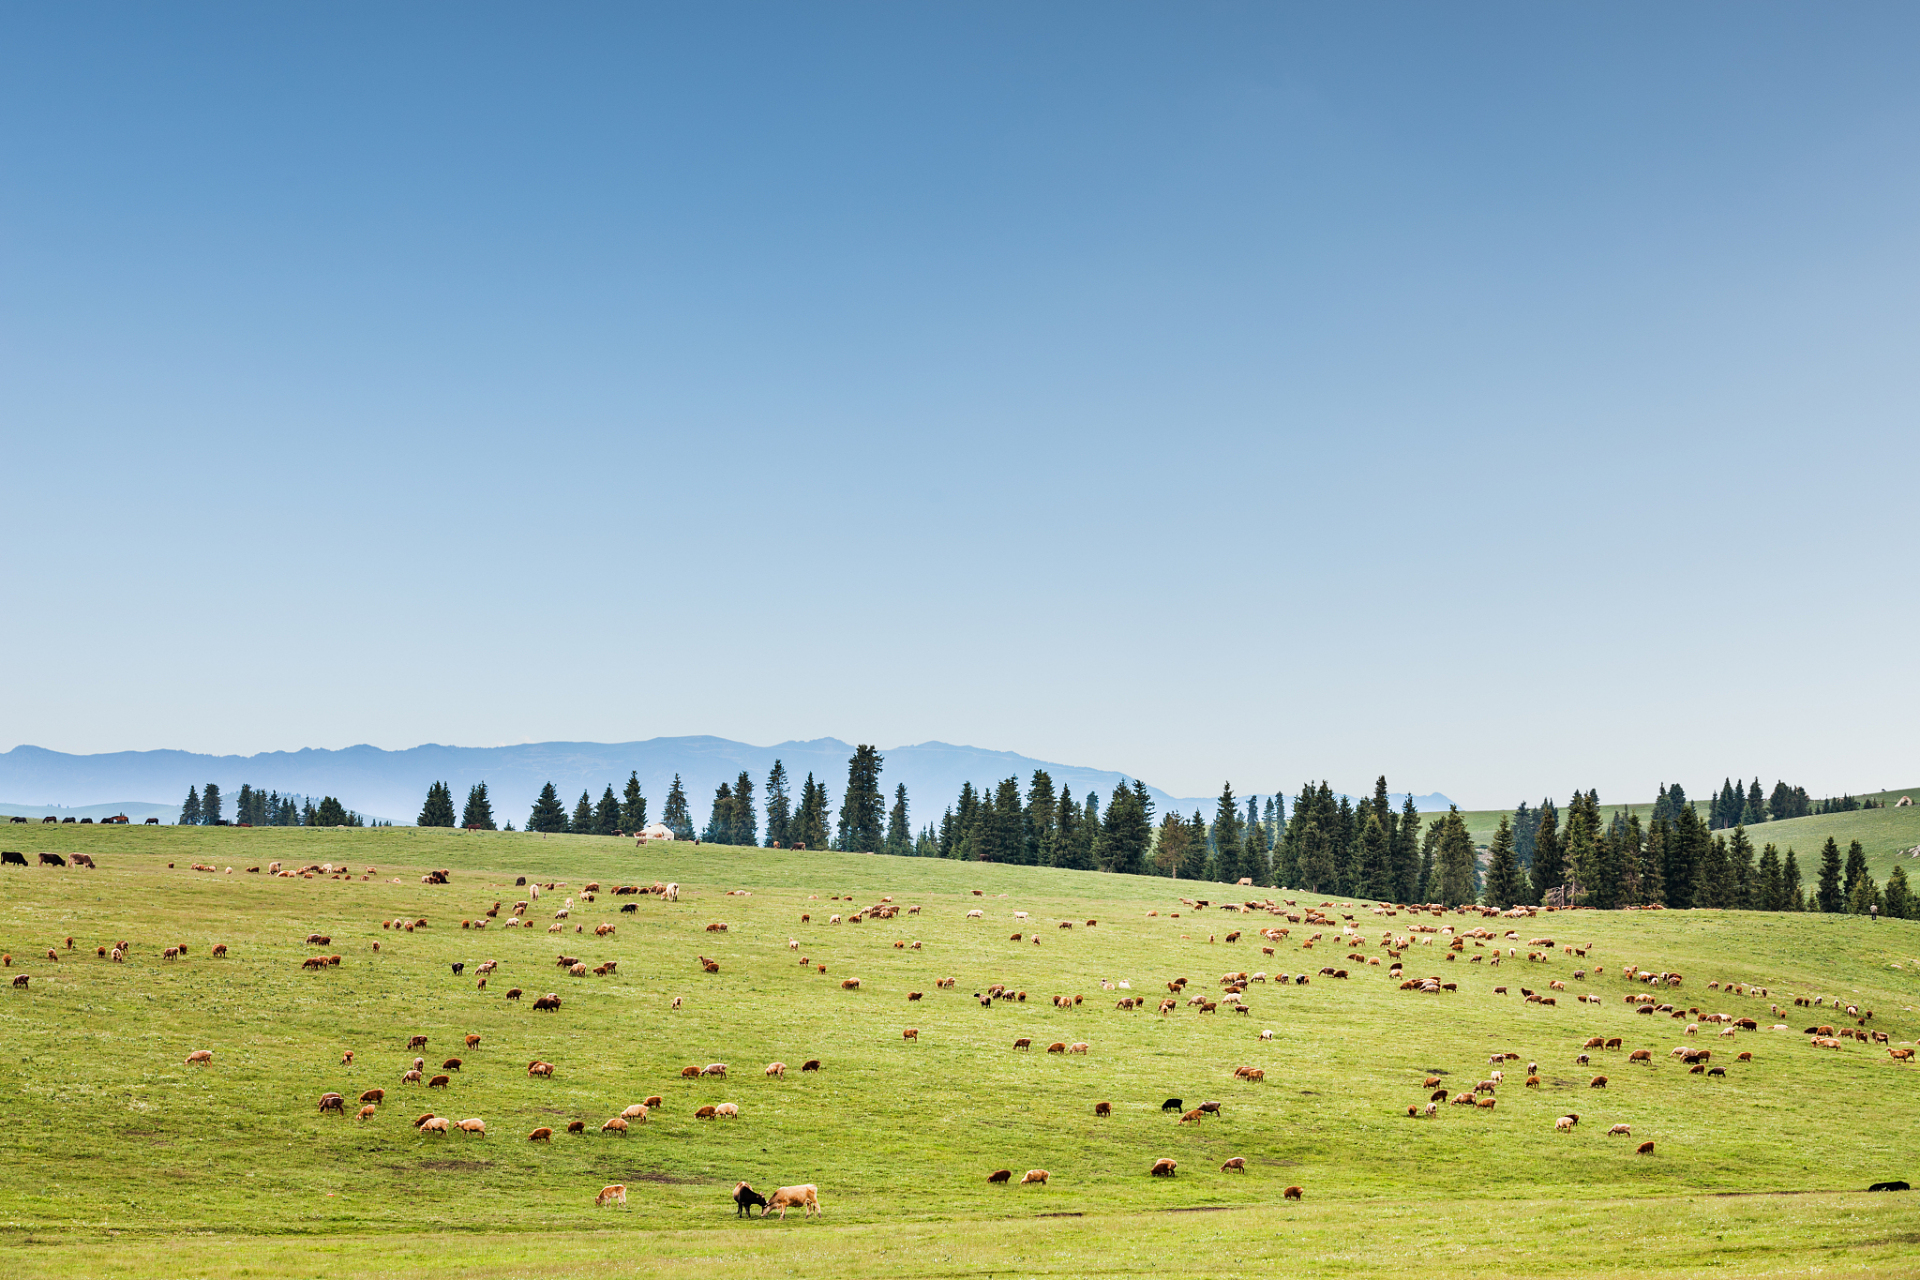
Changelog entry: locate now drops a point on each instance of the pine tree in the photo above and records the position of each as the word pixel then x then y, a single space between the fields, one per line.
pixel 1071 848
pixel 779 808
pixel 210 806
pixel 1768 895
pixel 1756 810
pixel 478 813
pixel 810 820
pixel 1653 865
pixel 745 831
pixel 1405 852
pixel 548 817
pixel 1687 848
pixel 1127 831
pixel 1790 896
pixel 1042 810
pixel 719 828
pixel 1831 896
pixel 1503 871
pixel 899 833
pixel 633 806
pixel 243 806
pixel 1454 865
pixel 673 815
pixel 606 814
pixel 1740 872
pixel 1547 866
pixel 1253 853
pixel 863 809
pixel 1898 896
pixel 1226 837
pixel 1375 878
pixel 1856 868
pixel 1864 897
pixel 582 822
pixel 1170 844
pixel 1429 872
pixel 190 811
pixel 438 810
pixel 330 813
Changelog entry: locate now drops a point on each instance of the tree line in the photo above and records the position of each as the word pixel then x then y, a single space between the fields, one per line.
pixel 1733 807
pixel 256 808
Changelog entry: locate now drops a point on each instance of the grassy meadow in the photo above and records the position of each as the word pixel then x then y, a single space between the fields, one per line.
pixel 122 1160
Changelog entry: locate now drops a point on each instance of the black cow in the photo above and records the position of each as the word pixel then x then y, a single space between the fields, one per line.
pixel 630 908
pixel 459 967
pixel 1173 1104
pixel 52 860
pixel 12 859
pixel 1889 1186
pixel 744 1198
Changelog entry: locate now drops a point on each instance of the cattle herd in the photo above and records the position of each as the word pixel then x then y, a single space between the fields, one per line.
pixel 1370 937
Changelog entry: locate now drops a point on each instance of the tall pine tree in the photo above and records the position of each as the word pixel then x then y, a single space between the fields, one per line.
pixel 779 808
pixel 1831 896
pixel 745 830
pixel 438 810
pixel 478 815
pixel 1454 865
pixel 674 815
pixel 863 809
pixel 606 814
pixel 190 811
pixel 1547 864
pixel 1503 869
pixel 582 822
pixel 719 828
pixel 899 832
pixel 633 806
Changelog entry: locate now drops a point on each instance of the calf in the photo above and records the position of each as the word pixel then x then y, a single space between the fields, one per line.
pixel 744 1198
pixel 805 1195
pixel 610 1195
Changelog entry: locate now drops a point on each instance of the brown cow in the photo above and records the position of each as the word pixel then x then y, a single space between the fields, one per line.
pixel 805 1195
pixel 1000 1175
pixel 609 1195
pixel 1644 1149
pixel 1163 1168
pixel 1103 1108
pixel 1292 1193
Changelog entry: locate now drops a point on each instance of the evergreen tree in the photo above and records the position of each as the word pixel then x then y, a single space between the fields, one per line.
pixel 1226 837
pixel 1864 897
pixel 1128 830
pixel 1898 896
pixel 1832 895
pixel 1740 872
pixel 633 806
pixel 606 814
pixel 1429 870
pixel 479 811
pixel 719 828
pixel 1503 870
pixel 745 831
pixel 1856 868
pixel 1090 829
pixel 1041 825
pixel 1653 865
pixel 308 813
pixel 1253 853
pixel 1546 852
pixel 1454 866
pixel 811 821
pixel 243 806
pixel 779 808
pixel 1687 848
pixel 1756 810
pixel 673 815
pixel 1769 888
pixel 1003 835
pixel 190 811
pixel 863 809
pixel 330 813
pixel 548 816
pixel 1170 844
pixel 582 822
pixel 1790 897
pixel 1405 852
pixel 437 811
pixel 1072 840
pixel 899 833
pixel 1375 878
pixel 210 806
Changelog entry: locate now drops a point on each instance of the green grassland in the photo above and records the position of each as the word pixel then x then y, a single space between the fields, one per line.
pixel 123 1161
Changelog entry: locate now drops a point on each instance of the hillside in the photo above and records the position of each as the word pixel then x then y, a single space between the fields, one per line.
pixel 898 1134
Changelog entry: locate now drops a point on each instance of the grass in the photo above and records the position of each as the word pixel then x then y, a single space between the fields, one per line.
pixel 123 1161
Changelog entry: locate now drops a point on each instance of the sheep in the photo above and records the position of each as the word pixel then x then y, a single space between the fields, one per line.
pixel 1644 1149
pixel 727 1110
pixel 617 1193
pixel 615 1125
pixel 1103 1108
pixel 1237 1163
pixel 911 1033
pixel 999 1175
pixel 474 1125
pixel 638 1111
pixel 776 1069
pixel 1078 1046
pixel 1163 1167
pixel 714 1069
pixel 1566 1123
pixel 1035 1175
pixel 1292 1193
pixel 1624 1130
pixel 435 1124
pixel 202 1056
pixel 332 1102
pixel 374 1095
pixel 705 1113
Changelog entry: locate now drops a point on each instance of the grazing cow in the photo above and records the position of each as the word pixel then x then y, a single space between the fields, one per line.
pixel 52 860
pixel 1890 1186
pixel 1103 1108
pixel 1292 1193
pixel 439 1082
pixel 1000 1175
pixel 805 1195
pixel 1173 1104
pixel 610 1195
pixel 202 1056
pixel 1163 1168
pixel 539 1068
pixel 705 1113
pixel 333 1102
pixel 1644 1149
pixel 811 1064
pixel 911 1033
pixel 745 1197
pixel 615 1125
pixel 12 859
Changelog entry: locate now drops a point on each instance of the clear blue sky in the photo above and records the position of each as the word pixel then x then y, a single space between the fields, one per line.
pixel 1508 398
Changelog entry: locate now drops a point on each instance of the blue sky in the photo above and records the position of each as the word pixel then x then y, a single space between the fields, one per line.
pixel 1506 398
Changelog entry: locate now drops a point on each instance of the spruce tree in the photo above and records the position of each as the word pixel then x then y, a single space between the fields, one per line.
pixel 581 824
pixel 1856 868
pixel 1375 879
pixel 1687 848
pixel 1503 870
pixel 633 806
pixel 1768 895
pixel 210 806
pixel 243 806
pixel 1042 811
pixel 673 815
pixel 810 820
pixel 1405 852
pixel 1831 896
pixel 548 817
pixel 330 813
pixel 1790 897
pixel 1547 862
pixel 1070 847
pixel 190 811
pixel 1864 897
pixel 1253 854
pixel 1429 867
pixel 1454 865
pixel 606 814
pixel 479 811
pixel 1317 850
pixel 1127 831
pixel 438 810
pixel 1756 810
pixel 1170 844
pixel 745 831
pixel 864 807
pixel 899 833
pixel 719 828
pixel 1004 832
pixel 1740 871
pixel 1226 837
pixel 1653 865
pixel 1898 896
pixel 779 808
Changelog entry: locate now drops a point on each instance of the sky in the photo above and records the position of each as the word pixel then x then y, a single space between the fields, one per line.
pixel 1504 398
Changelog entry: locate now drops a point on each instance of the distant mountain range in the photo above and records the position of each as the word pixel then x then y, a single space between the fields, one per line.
pixel 393 784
